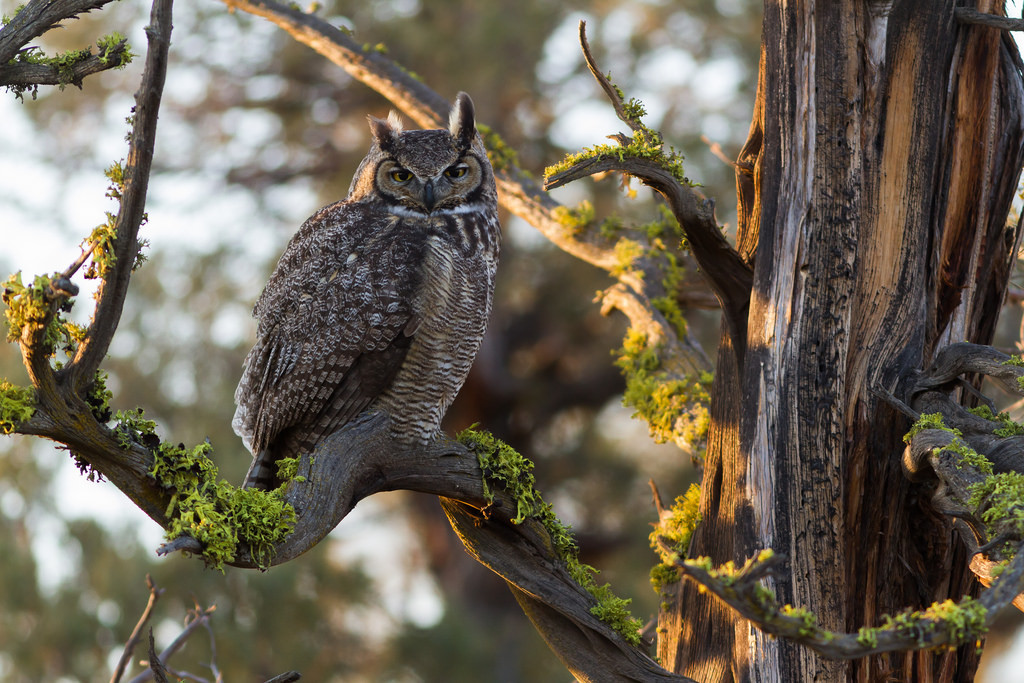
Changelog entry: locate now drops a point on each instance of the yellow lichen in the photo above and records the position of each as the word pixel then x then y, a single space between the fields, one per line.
pixel 17 404
pixel 506 468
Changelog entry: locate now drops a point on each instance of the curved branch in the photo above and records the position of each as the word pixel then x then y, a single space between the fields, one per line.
pixel 729 275
pixel 362 459
pixel 558 607
pixel 966 450
pixel 610 90
pixel 955 360
pixel 912 631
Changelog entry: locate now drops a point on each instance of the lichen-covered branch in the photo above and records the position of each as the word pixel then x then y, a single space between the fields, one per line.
pixel 36 18
pixel 946 624
pixel 975 456
pixel 68 401
pixel 31 68
pixel 975 461
pixel 642 156
pixel 487 491
pixel 130 185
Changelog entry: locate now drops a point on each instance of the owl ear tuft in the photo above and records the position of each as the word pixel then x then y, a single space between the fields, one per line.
pixel 384 131
pixel 460 122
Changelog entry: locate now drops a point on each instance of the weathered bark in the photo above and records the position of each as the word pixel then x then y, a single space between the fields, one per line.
pixel 874 189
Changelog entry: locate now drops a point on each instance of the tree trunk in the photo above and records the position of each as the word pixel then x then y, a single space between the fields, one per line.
pixel 873 193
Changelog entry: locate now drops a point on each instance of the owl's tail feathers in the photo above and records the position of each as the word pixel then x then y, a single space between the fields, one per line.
pixel 262 472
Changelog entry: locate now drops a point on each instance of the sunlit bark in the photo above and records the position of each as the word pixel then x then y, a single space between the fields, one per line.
pixel 874 190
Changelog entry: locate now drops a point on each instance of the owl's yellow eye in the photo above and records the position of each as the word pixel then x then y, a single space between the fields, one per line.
pixel 400 175
pixel 457 171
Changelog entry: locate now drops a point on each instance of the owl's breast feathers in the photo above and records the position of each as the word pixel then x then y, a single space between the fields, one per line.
pixel 359 309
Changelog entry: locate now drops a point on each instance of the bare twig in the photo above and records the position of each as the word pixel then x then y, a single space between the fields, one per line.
pixel 716 149
pixel 196 619
pixel 287 677
pixel 136 635
pixel 213 654
pixel 156 667
pixel 613 93
pixel 659 504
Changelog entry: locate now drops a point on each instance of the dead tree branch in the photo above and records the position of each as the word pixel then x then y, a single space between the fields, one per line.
pixel 197 618
pixel 114 288
pixel 62 413
pixel 136 635
pixel 939 625
pixel 965 450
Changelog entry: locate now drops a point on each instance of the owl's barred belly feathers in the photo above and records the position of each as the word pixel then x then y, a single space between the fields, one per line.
pixel 379 302
pixel 456 304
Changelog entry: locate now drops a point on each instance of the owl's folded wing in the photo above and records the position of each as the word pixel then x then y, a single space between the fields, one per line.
pixel 331 338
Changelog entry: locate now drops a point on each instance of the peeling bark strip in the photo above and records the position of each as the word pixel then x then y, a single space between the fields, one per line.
pixel 887 142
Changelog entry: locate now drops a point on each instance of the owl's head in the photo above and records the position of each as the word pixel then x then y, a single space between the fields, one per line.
pixel 422 172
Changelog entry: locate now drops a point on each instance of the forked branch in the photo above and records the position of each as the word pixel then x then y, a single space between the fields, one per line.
pixel 114 287
pixel 641 157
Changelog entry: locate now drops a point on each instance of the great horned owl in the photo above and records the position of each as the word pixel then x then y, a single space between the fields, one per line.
pixel 379 301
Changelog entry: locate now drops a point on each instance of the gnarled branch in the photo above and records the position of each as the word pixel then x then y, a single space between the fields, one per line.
pixel 22 75
pixel 114 287
pixel 728 274
pixel 927 629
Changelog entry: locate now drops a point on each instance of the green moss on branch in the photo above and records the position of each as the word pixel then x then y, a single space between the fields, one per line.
pixel 675 409
pixel 217 514
pixel 17 404
pixel 505 468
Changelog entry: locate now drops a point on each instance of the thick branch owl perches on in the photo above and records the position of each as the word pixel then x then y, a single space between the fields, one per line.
pixel 380 301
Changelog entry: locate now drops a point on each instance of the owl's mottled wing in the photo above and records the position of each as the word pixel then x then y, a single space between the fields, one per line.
pixel 335 322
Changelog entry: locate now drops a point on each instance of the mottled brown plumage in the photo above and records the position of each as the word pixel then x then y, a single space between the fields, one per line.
pixel 380 301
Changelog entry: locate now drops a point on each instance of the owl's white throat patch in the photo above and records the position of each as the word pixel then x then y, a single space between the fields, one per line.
pixel 406 212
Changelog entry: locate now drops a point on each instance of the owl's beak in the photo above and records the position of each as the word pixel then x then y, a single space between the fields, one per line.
pixel 428 195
